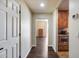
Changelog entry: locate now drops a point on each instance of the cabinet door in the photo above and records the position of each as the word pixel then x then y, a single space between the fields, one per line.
pixel 63 19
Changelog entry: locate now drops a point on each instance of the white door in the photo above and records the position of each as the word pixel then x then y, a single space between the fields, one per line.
pixel 9 29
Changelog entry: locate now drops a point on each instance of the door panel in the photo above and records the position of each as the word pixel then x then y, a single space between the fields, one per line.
pixel 9 29
pixel 3 32
pixel 2 25
pixel 14 51
pixel 3 4
pixel 3 54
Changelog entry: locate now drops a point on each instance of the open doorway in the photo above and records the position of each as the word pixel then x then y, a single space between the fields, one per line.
pixel 63 33
pixel 41 34
pixel 41 28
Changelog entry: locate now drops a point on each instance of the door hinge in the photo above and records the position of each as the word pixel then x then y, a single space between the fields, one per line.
pixel 20 12
pixel 19 34
pixel 19 56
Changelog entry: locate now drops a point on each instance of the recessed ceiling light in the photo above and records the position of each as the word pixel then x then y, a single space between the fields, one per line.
pixel 42 4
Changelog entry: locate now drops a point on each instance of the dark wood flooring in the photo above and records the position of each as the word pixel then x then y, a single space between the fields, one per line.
pixel 51 53
pixel 42 50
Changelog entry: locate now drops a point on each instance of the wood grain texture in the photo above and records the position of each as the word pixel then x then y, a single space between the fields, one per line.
pixel 62 19
pixel 63 40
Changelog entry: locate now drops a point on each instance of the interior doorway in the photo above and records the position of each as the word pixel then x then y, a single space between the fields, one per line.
pixel 41 35
pixel 41 28
pixel 63 33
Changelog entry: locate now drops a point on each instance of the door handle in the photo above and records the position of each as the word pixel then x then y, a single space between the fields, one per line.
pixel 1 48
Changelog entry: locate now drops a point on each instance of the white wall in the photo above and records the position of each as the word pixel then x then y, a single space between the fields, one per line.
pixel 73 29
pixel 25 30
pixel 54 29
pixel 41 16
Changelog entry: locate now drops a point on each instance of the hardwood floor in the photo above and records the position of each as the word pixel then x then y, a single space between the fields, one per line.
pixel 42 50
pixel 51 53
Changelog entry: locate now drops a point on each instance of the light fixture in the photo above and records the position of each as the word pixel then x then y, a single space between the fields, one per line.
pixel 42 5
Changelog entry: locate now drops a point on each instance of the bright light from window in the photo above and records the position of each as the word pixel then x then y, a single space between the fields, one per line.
pixel 42 4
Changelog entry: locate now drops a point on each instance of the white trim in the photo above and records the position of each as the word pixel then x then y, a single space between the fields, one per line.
pixel 28 53
pixel 42 20
pixel 49 45
pixel 33 45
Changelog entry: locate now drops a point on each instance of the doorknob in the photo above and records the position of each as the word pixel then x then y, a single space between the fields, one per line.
pixel 1 48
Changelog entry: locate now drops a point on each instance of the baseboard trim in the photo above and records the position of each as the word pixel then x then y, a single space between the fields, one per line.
pixel 49 45
pixel 33 45
pixel 28 52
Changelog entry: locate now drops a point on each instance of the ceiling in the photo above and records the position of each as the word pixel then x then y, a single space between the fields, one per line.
pixel 64 5
pixel 50 5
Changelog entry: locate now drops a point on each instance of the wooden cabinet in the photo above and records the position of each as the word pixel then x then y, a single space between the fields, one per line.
pixel 62 19
pixel 63 44
pixel 63 37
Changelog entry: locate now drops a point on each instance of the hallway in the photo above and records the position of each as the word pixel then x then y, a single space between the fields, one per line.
pixel 41 50
pixel 25 24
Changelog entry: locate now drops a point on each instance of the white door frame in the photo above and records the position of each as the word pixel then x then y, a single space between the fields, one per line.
pixel 41 19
